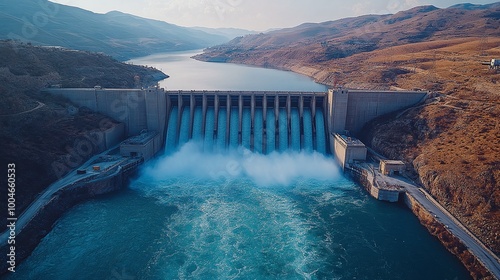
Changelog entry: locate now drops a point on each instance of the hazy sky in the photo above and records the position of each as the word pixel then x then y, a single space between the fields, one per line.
pixel 253 14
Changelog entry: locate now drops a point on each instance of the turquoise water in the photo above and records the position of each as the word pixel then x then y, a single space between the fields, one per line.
pixel 240 215
pixel 204 212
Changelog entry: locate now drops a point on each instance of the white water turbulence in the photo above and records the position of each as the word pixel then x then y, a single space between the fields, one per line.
pixel 264 170
pixel 240 214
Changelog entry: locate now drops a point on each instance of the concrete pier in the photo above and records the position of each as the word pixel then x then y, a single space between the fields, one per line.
pixel 252 122
pixel 228 118
pixel 204 115
pixel 240 115
pixel 289 119
pixel 264 124
pixel 276 121
pixel 192 106
pixel 216 118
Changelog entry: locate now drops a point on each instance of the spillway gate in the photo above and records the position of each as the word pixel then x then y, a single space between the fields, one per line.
pixel 262 121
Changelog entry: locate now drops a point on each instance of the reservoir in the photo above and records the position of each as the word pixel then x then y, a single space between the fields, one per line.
pixel 203 211
pixel 189 74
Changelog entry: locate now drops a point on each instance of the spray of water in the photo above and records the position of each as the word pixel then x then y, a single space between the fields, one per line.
pixel 264 170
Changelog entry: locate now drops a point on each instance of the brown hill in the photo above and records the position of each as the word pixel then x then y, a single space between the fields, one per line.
pixel 449 144
pixel 36 130
pixel 322 42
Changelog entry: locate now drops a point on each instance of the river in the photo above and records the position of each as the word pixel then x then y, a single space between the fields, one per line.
pixel 193 214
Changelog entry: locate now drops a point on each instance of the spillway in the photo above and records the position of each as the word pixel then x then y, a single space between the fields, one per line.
pixel 262 122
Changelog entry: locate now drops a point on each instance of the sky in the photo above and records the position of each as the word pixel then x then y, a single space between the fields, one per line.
pixel 258 15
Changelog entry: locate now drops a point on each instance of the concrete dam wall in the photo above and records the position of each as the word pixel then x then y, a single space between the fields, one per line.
pixel 137 109
pixel 261 121
pixel 351 109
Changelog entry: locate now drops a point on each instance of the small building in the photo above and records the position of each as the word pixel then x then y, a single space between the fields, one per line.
pixel 392 167
pixel 145 145
pixel 348 149
pixel 495 63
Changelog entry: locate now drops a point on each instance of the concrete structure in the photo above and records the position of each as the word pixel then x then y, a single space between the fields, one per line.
pixel 495 63
pixel 351 109
pixel 377 185
pixel 113 135
pixel 144 145
pixel 137 109
pixel 257 102
pixel 391 194
pixel 347 150
pixel 392 167
pixel 149 109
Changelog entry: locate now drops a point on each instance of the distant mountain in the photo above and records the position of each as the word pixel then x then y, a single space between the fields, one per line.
pixel 320 42
pixel 120 35
pixel 469 6
pixel 228 33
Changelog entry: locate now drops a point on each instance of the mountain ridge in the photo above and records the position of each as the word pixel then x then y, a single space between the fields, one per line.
pixel 319 42
pixel 118 34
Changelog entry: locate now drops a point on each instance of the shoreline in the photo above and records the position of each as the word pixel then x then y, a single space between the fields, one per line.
pixel 75 193
pixel 68 196
pixel 455 245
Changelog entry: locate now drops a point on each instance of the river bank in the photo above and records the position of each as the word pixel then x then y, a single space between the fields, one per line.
pixel 432 220
pixel 36 225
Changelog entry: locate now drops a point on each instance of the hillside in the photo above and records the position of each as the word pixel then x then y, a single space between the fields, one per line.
pixel 320 43
pixel 120 35
pixel 36 130
pixel 449 144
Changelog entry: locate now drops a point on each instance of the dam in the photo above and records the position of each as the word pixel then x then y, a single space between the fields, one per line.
pixel 205 214
pixel 236 213
pixel 251 213
pixel 261 121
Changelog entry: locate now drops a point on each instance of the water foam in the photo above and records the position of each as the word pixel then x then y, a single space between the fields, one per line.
pixel 275 169
pixel 236 213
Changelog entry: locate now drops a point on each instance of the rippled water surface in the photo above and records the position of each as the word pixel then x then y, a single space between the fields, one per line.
pixel 240 215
